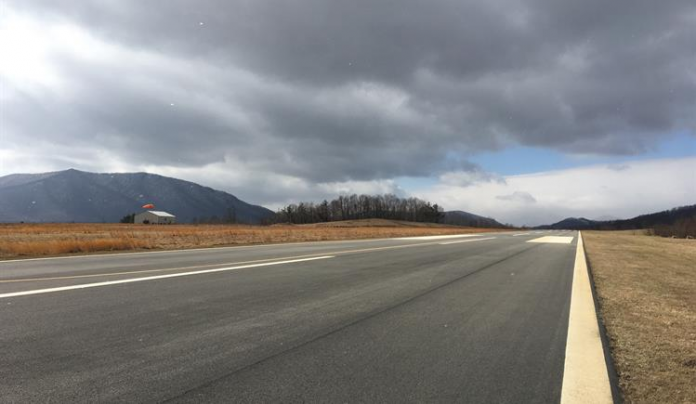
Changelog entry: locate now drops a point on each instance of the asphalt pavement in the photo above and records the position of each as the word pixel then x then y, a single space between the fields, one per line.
pixel 480 318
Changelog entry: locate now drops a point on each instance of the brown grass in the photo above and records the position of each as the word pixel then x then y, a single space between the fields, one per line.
pixel 647 293
pixel 36 240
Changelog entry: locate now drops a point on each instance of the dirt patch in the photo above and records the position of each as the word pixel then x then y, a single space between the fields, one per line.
pixel 37 240
pixel 646 288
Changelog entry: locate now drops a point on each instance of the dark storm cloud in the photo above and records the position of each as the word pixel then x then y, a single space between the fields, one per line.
pixel 334 91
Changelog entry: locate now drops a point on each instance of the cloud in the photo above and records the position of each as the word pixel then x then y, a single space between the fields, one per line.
pixel 592 191
pixel 340 92
pixel 618 167
pixel 517 196
pixel 467 178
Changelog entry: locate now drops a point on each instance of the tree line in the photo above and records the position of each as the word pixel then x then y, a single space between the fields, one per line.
pixel 677 222
pixel 682 228
pixel 353 207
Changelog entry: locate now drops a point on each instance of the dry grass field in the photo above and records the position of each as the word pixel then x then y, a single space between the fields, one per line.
pixel 37 240
pixel 647 292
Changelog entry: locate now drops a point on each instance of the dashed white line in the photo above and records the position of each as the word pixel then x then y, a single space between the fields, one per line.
pixel 467 241
pixel 151 278
pixel 439 237
pixel 235 247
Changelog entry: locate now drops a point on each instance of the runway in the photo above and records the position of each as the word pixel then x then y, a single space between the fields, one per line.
pixel 477 318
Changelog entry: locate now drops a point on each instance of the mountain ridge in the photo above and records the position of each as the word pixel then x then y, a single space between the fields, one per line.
pixel 462 218
pixel 648 220
pixel 80 196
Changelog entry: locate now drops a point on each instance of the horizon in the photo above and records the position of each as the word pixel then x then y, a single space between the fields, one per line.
pixel 596 219
pixel 527 112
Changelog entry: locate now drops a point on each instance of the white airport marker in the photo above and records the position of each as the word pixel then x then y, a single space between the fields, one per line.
pixel 156 277
pixel 467 241
pixel 552 239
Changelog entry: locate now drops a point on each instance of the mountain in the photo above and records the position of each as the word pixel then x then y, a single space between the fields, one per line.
pixel 572 223
pixel 78 196
pixel 605 218
pixel 663 218
pixel 461 218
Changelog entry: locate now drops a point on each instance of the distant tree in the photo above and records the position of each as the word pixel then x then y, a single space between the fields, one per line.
pixel 129 218
pixel 352 207
pixel 323 211
pixel 231 216
pixel 682 228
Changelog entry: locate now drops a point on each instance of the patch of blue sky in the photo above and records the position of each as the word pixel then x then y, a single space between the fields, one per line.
pixel 526 160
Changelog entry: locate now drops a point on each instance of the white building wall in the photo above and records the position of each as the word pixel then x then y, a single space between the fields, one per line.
pixel 140 218
pixel 152 218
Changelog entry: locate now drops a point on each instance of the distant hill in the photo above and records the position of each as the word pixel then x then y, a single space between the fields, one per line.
pixel 605 218
pixel 461 218
pixel 78 196
pixel 572 223
pixel 664 218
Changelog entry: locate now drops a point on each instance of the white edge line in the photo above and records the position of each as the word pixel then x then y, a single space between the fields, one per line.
pixel 585 374
pixel 185 250
pixel 151 278
pixel 440 237
pixel 100 254
pixel 467 241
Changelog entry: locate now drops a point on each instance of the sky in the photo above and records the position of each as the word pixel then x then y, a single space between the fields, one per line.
pixel 528 111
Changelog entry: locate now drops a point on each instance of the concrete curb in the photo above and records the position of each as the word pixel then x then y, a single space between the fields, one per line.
pixel 613 376
pixel 585 375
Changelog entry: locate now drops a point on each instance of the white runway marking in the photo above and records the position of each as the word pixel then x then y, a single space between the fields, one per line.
pixel 151 278
pixel 467 241
pixel 552 239
pixel 439 237
pixel 520 234
pixel 209 249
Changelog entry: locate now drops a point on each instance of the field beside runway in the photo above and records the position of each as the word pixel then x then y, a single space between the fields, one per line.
pixel 646 287
pixel 39 240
